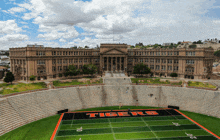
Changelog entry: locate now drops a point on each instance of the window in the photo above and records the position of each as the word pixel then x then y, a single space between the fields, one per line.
pixel 40 53
pixel 146 60
pixel 152 67
pixel 163 67
pixel 190 53
pixel 152 53
pixel 54 68
pixel 189 61
pixel 24 62
pixel 59 61
pixel 163 61
pixel 85 60
pixel 157 67
pixel 130 60
pixel 65 61
pixel 75 60
pixel 64 53
pixel 176 61
pixel 169 53
pixel 71 61
pixel 189 69
pixel 169 67
pixel 175 68
pixel 59 68
pixel 65 67
pixel 152 60
pixel 157 60
pixel 141 60
pixel 96 60
pixel 169 61
pixel 41 62
pixel 80 60
pixel 54 61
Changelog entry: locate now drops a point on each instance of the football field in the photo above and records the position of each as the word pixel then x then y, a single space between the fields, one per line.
pixel 137 124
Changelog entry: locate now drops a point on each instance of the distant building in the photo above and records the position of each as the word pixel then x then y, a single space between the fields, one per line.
pixel 212 41
pixel 50 63
pixel 167 44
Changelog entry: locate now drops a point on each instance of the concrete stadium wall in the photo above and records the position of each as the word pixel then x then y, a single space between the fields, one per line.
pixel 18 110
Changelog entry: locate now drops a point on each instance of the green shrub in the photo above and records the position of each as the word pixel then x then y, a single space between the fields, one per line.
pixel 32 78
pixel 60 75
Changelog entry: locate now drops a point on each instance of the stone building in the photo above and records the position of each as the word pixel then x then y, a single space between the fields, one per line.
pixel 48 63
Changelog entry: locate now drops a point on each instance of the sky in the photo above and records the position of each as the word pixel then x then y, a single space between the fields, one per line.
pixel 66 23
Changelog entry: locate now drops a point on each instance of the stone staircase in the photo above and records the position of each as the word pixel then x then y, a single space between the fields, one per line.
pixel 117 81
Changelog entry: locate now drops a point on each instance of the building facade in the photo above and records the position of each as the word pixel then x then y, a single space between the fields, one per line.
pixel 49 63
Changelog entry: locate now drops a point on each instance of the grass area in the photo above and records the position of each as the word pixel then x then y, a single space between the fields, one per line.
pixel 153 81
pixel 8 88
pixel 76 82
pixel 200 84
pixel 43 129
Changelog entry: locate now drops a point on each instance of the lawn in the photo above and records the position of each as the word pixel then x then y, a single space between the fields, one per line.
pixel 8 88
pixel 200 84
pixel 75 82
pixel 43 129
pixel 153 81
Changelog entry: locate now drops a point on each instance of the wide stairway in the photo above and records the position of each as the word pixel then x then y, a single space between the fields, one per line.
pixel 115 74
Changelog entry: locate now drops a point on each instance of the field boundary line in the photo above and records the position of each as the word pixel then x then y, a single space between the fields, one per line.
pixel 112 129
pixel 198 124
pixel 56 128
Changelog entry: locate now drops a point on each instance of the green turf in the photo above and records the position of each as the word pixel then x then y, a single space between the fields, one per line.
pixel 136 135
pixel 180 133
pixel 43 129
pixel 86 137
pixel 173 127
pixel 84 132
pixel 169 122
pixel 85 126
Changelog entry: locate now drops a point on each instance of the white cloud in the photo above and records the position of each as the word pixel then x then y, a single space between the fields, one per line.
pixel 132 21
pixel 62 40
pixel 25 26
pixel 16 10
pixel 10 33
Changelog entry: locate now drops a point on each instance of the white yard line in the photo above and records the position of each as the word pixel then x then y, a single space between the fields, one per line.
pixel 149 128
pixel 112 130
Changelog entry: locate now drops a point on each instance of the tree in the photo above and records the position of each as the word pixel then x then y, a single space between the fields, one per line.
pixel 72 71
pixel 173 75
pixel 132 47
pixel 9 77
pixel 179 43
pixel 192 46
pixel 89 69
pixel 141 69
pixel 217 53
pixel 32 78
pixel 86 47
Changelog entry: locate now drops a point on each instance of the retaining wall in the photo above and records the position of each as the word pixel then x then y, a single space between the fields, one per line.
pixel 21 109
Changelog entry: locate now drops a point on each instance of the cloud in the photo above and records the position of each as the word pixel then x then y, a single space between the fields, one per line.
pixel 57 32
pixel 128 21
pixel 25 26
pixel 10 33
pixel 16 10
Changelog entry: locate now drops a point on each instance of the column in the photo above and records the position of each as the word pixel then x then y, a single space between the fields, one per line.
pixel 107 63
pixel 111 63
pixel 125 63
pixel 116 62
pixel 120 62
